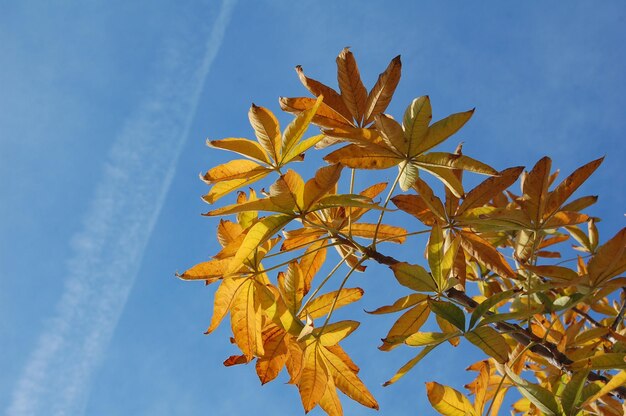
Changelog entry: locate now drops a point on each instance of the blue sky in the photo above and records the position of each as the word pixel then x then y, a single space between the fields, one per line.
pixel 104 109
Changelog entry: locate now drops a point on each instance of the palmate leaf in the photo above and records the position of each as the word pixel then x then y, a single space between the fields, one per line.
pixel 353 106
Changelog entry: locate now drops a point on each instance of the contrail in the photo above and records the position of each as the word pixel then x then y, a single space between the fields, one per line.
pixel 108 251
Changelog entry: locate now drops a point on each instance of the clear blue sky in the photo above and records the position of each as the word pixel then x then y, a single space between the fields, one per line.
pixel 104 109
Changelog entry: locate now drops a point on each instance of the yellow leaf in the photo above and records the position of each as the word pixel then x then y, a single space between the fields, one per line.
pixel 602 361
pixel 312 261
pixel 244 147
pixel 313 378
pixel 257 235
pixel 420 339
pixel 220 189
pixel 443 129
pixel 332 334
pixel 291 286
pixel 224 296
pixel 322 183
pixel 288 192
pixel 227 232
pixel 616 381
pixel 301 147
pixel 257 205
pixel 416 119
pixel 449 178
pixel 346 380
pixel 400 304
pixel 448 401
pixel 295 130
pixel 268 366
pixel 352 89
pixel 235 169
pixel 380 96
pixel 300 238
pixel 330 402
pixel 409 173
pixel 266 129
pixel 207 270
pixel 409 323
pixel 321 305
pixel 246 320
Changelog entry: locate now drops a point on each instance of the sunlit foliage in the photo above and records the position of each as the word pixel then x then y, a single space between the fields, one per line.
pixel 549 326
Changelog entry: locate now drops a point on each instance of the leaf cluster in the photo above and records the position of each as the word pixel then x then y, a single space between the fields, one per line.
pixel 532 312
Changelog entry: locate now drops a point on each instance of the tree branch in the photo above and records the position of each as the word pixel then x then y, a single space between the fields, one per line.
pixel 539 346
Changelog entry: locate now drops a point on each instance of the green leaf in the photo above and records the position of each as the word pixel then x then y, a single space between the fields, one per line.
pixel 571 396
pixel 435 255
pixel 539 396
pixel 490 341
pixel 489 303
pixel 448 311
pixel 414 277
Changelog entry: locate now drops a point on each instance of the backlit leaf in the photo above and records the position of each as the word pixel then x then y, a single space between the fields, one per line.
pixel 490 341
pixel 448 401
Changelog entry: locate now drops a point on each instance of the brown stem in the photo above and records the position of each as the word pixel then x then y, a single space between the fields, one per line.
pixel 539 346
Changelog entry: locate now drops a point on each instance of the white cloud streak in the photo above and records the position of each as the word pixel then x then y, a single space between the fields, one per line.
pixel 108 251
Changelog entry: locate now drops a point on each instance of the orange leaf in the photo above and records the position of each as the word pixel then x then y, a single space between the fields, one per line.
pixel 266 129
pixel 347 381
pixel 380 96
pixel 352 89
pixel 368 157
pixel 486 254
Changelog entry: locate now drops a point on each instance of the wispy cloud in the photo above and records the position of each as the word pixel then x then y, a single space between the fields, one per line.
pixel 107 252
